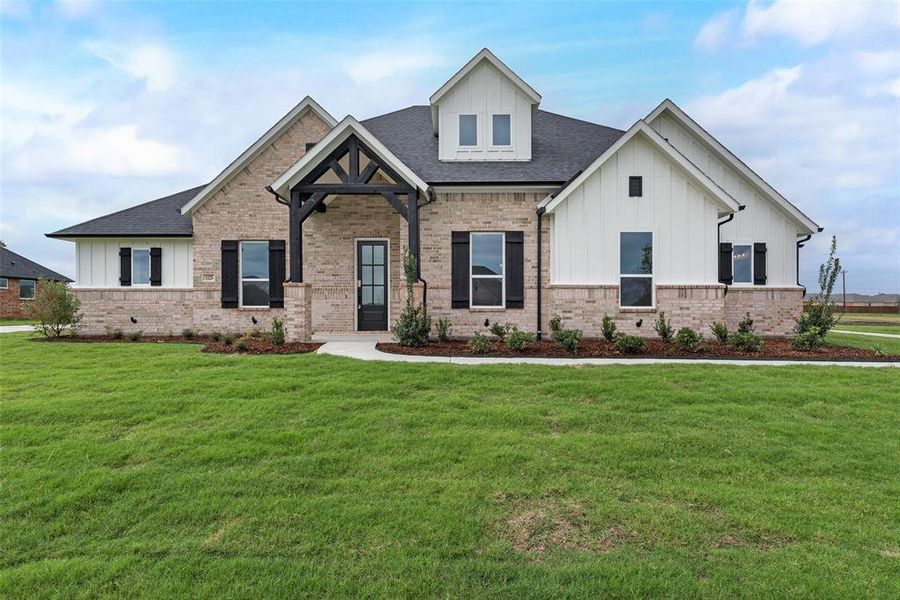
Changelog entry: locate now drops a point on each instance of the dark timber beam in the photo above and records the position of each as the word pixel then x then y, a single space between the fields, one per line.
pixel 295 236
pixel 339 171
pixel 353 159
pixel 412 206
pixel 354 188
pixel 398 206
pixel 311 204
pixel 368 172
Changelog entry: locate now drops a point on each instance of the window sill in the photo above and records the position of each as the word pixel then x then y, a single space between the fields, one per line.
pixel 486 309
pixel 637 309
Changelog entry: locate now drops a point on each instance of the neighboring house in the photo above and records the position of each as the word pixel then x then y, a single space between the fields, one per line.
pixel 309 225
pixel 19 279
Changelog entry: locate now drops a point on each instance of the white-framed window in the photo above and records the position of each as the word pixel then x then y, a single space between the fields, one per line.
pixel 487 287
pixel 140 266
pixel 501 130
pixel 4 283
pixel 27 289
pixel 636 288
pixel 468 130
pixel 742 263
pixel 254 271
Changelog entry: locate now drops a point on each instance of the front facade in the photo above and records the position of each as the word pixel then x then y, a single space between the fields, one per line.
pixel 20 279
pixel 510 214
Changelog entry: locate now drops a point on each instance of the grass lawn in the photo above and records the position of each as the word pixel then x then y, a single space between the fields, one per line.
pixel 893 329
pixel 155 470
pixel 867 342
pixel 14 322
pixel 850 318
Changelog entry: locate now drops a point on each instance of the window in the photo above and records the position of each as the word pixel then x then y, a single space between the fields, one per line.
pixel 635 186
pixel 140 266
pixel 636 269
pixel 501 130
pixel 4 283
pixel 487 270
pixel 255 274
pixel 468 130
pixel 742 263
pixel 26 289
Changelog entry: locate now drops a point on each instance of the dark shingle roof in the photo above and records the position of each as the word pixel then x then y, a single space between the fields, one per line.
pixel 17 266
pixel 560 147
pixel 160 217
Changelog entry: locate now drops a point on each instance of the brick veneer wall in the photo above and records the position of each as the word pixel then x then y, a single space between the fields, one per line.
pixel 773 310
pixel 11 306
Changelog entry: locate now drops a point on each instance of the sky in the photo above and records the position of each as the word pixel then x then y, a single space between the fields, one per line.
pixel 107 105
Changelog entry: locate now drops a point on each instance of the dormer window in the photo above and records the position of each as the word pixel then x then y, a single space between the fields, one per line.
pixel 468 130
pixel 501 130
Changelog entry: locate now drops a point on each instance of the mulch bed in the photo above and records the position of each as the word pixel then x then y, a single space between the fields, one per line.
pixel 773 349
pixel 252 345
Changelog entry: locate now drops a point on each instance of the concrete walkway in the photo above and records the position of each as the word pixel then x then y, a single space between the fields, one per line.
pixel 871 333
pixel 15 328
pixel 365 350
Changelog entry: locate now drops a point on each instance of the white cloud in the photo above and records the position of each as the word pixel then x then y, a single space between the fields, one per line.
pixel 879 61
pixel 716 31
pixel 369 67
pixel 76 8
pixel 149 62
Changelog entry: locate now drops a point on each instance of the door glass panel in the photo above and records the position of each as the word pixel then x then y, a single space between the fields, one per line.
pixel 366 254
pixel 367 295
pixel 378 275
pixel 378 256
pixel 367 275
pixel 378 295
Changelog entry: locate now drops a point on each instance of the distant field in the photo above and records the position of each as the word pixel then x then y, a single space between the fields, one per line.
pixel 870 318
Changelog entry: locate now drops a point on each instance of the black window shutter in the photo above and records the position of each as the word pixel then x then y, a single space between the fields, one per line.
pixel 229 274
pixel 635 186
pixel 515 269
pixel 125 266
pixel 459 272
pixel 759 263
pixel 276 273
pixel 155 266
pixel 725 275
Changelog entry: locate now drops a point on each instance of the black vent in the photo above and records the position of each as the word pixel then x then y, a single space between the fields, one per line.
pixel 635 186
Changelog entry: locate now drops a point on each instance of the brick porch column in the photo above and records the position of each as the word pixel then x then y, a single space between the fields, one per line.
pixel 297 312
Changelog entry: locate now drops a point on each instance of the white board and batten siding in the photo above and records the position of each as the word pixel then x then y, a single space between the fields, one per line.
pixel 761 221
pixel 586 226
pixel 483 92
pixel 97 261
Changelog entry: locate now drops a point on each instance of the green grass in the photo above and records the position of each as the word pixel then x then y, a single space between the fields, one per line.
pixel 153 470
pixel 850 318
pixel 866 342
pixel 892 329
pixel 14 322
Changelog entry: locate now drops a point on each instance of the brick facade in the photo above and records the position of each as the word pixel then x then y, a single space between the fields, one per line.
pixel 11 306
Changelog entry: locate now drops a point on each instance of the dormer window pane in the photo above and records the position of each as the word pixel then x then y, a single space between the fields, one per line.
pixel 500 126
pixel 468 130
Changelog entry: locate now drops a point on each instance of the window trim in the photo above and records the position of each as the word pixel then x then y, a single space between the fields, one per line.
pixel 34 281
pixel 149 267
pixel 5 281
pixel 501 277
pixel 512 140
pixel 459 144
pixel 733 278
pixel 241 276
pixel 651 276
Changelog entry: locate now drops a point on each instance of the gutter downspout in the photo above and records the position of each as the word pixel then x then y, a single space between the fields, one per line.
pixel 431 197
pixel 719 236
pixel 540 213
pixel 800 244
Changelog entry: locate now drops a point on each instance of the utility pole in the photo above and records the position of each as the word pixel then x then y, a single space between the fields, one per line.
pixel 844 286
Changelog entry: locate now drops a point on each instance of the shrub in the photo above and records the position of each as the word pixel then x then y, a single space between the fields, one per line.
pixel 629 344
pixel 135 336
pixel 746 341
pixel 720 330
pixel 570 339
pixel 807 340
pixel 688 339
pixel 228 339
pixel 216 336
pixel 115 333
pixel 413 326
pixel 54 308
pixel 818 314
pixel 277 331
pixel 187 333
pixel 241 343
pixel 499 331
pixel 519 340
pixel 479 343
pixel 663 327
pixel 608 327
pixel 878 349
pixel 745 325
pixel 555 323
pixel 443 330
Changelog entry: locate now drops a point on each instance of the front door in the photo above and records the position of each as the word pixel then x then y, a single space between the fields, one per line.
pixel 371 285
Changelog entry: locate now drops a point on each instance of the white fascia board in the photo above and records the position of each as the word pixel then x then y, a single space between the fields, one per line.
pixel 641 127
pixel 254 150
pixel 336 136
pixel 729 157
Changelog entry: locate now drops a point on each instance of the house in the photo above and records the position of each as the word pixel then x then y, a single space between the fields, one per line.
pixel 19 280
pixel 511 213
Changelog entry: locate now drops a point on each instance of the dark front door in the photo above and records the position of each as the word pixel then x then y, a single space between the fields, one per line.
pixel 372 286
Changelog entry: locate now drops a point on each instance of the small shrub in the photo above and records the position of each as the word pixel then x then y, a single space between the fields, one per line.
pixel 187 333
pixel 277 331
pixel 499 331
pixel 745 325
pixel 115 333
pixel 746 341
pixel 663 327
pixel 629 344
pixel 720 330
pixel 818 314
pixel 519 340
pixel 54 308
pixel 443 330
pixel 413 326
pixel 688 339
pixel 479 343
pixel 808 340
pixel 555 323
pixel 240 344
pixel 878 349
pixel 228 339
pixel 570 339
pixel 215 336
pixel 608 328
pixel 135 336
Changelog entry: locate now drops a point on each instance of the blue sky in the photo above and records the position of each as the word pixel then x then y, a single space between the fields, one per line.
pixel 105 105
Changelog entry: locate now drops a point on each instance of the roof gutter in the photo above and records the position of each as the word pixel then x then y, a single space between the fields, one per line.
pixel 729 219
pixel 800 244
pixel 430 197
